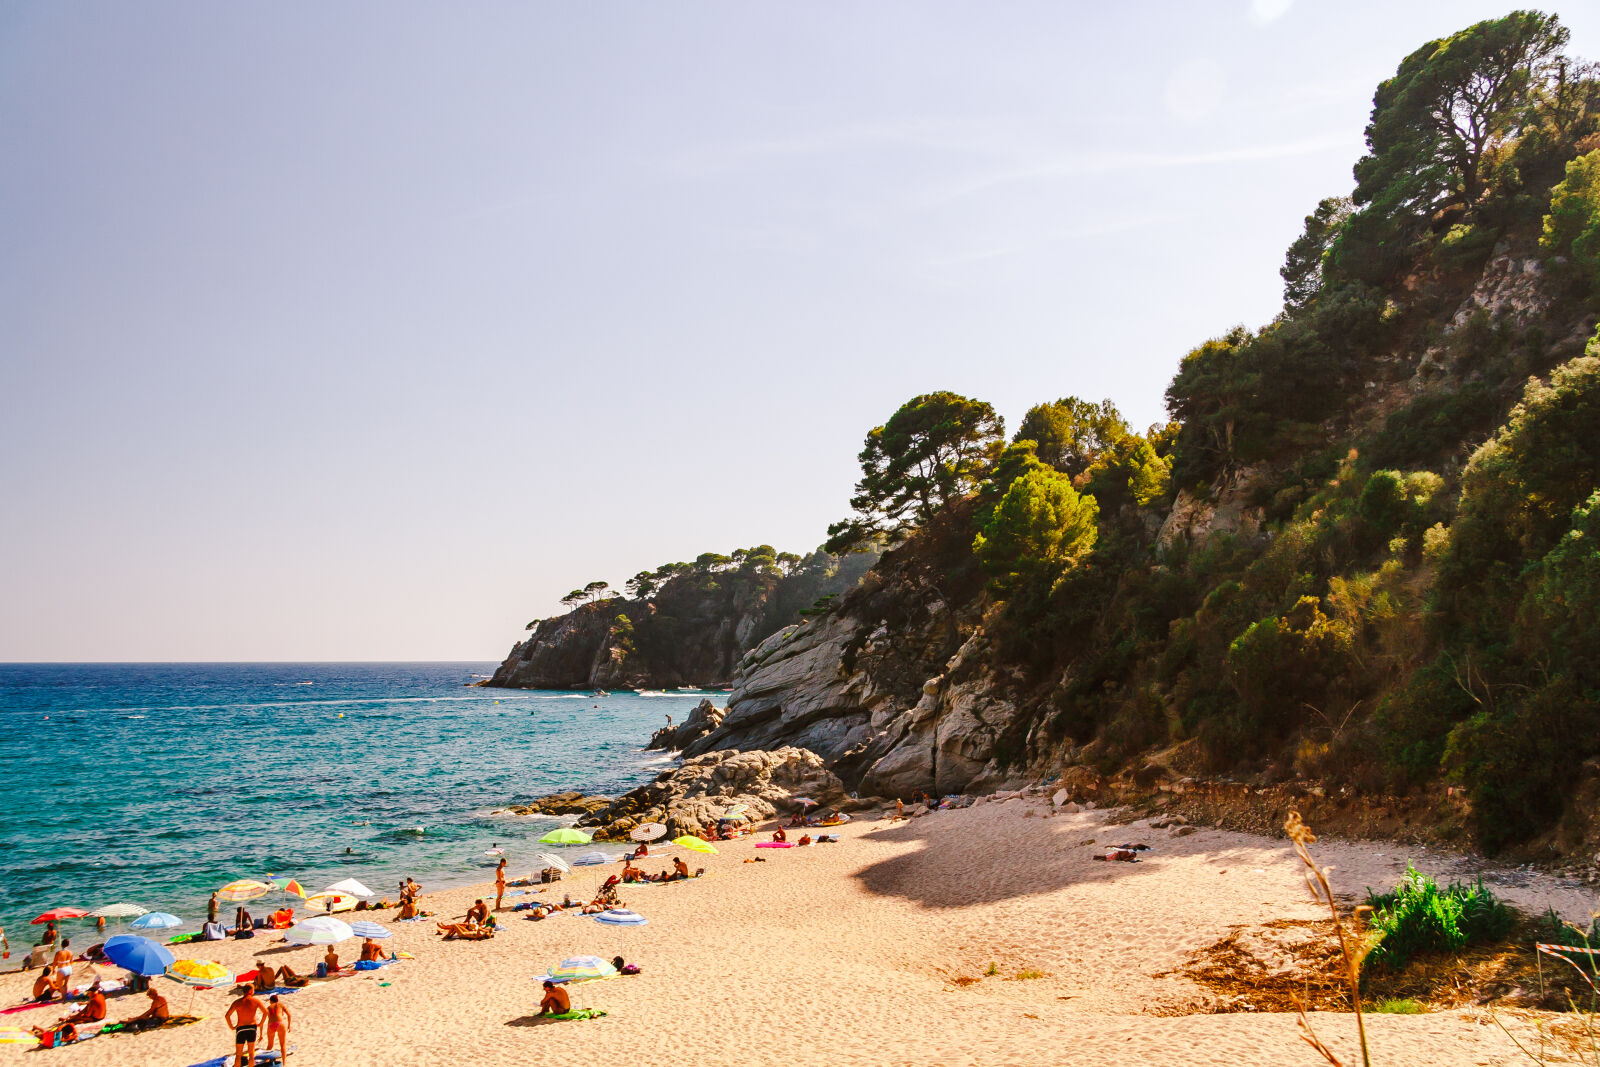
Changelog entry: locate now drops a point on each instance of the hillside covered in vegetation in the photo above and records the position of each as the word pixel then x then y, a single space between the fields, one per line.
pixel 1365 550
pixel 683 624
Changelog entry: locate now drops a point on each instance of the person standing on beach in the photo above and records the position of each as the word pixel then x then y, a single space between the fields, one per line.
pixel 63 964
pixel 244 1015
pixel 5 946
pixel 278 1020
pixel 499 883
pixel 211 908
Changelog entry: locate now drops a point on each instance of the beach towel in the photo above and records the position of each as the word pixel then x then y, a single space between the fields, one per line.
pixel 228 1061
pixel 774 844
pixel 574 1014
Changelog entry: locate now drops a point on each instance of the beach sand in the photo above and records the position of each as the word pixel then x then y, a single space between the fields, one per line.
pixel 848 954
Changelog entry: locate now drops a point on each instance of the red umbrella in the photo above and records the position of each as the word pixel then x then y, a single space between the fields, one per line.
pixel 57 914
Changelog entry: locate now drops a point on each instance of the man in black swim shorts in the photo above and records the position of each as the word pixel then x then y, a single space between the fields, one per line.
pixel 244 1015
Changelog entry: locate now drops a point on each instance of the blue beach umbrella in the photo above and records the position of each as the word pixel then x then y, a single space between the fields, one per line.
pixel 621 917
pixel 370 929
pixel 156 920
pixel 138 954
pixel 589 859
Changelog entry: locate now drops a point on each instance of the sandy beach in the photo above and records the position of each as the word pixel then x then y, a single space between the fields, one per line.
pixel 853 953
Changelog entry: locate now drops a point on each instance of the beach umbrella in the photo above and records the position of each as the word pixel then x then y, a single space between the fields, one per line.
pixel 804 802
pixel 319 930
pixel 55 915
pixel 648 832
pixel 138 954
pixel 288 885
pixel 330 902
pixel 16 1035
pixel 242 890
pixel 370 929
pixel 156 920
pixel 566 835
pixel 578 969
pixel 555 861
pixel 694 844
pixel 202 973
pixel 589 859
pixel 119 911
pixel 621 917
pixel 350 887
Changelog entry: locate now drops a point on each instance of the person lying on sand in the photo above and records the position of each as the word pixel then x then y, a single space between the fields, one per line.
pixel 290 980
pixel 556 1001
pixel 154 1016
pixel 464 931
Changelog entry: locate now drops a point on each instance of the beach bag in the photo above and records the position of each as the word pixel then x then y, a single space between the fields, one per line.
pixel 213 932
pixel 368 965
pixel 322 970
pixel 243 935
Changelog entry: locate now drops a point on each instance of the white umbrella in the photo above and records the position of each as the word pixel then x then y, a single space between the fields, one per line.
pixel 555 861
pixel 350 887
pixel 648 832
pixel 590 859
pixel 319 930
pixel 120 911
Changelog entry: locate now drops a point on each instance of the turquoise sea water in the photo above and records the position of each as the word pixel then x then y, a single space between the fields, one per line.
pixel 156 783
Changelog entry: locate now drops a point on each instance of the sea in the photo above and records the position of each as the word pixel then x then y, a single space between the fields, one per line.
pixel 153 784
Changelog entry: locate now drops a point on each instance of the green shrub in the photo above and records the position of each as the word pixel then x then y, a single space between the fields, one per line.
pixel 1397 1006
pixel 1420 917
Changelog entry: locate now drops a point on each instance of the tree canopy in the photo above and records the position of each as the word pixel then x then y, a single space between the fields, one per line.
pixel 933 450
pixel 1070 433
pixel 1041 526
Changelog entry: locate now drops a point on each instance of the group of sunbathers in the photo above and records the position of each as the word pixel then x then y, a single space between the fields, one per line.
pixel 679 869
pixel 476 925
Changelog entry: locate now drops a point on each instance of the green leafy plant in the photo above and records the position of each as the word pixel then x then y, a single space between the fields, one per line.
pixel 1419 917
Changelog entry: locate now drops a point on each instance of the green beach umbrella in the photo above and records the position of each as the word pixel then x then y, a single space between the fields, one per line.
pixel 566 836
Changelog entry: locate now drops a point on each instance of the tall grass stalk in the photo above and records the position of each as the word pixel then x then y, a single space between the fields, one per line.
pixel 1351 946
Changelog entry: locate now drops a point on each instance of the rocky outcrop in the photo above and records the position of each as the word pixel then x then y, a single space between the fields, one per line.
pixel 691 630
pixel 565 652
pixel 570 803
pixel 702 720
pixel 694 796
pixel 892 689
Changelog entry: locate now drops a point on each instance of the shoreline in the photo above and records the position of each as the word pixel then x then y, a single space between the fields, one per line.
pixel 973 936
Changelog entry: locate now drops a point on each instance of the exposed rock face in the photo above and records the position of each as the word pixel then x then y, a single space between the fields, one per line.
pixel 691 631
pixel 692 797
pixel 570 803
pixel 564 652
pixel 891 689
pixel 702 720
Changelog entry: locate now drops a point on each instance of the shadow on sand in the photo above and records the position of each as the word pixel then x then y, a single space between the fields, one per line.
pixel 984 856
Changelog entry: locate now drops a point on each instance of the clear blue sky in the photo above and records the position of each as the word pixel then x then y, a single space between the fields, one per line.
pixel 368 330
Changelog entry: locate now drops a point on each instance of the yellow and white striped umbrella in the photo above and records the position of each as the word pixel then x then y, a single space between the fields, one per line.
pixel 242 890
pixel 203 973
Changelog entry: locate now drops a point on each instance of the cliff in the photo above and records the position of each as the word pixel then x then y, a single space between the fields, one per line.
pixel 692 625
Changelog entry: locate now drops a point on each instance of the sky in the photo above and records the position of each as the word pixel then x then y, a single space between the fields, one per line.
pixel 365 331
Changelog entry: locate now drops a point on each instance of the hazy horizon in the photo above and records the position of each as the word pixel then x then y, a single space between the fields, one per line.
pixel 362 334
